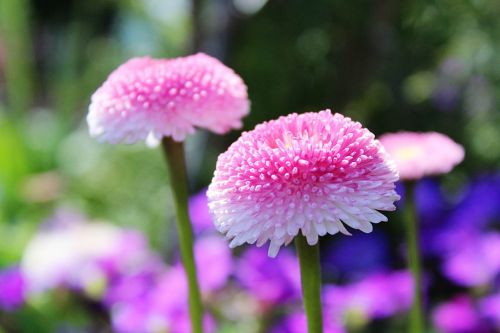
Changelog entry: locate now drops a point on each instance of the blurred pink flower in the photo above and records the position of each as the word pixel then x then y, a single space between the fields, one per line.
pixel 422 154
pixel 147 99
pixel 308 172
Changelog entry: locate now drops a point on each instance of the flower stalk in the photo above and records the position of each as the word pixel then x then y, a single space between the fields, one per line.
pixel 174 154
pixel 310 276
pixel 414 261
pixel 15 31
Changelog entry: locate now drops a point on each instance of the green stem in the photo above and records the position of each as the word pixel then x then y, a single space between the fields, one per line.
pixel 311 283
pixel 14 28
pixel 414 261
pixel 174 153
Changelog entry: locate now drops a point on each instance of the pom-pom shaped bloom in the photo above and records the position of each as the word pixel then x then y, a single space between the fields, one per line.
pixel 308 172
pixel 422 154
pixel 149 98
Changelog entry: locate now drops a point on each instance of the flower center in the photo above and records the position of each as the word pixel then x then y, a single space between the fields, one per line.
pixel 408 153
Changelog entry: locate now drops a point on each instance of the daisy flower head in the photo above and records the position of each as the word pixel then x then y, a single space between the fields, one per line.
pixel 310 173
pixel 147 99
pixel 422 154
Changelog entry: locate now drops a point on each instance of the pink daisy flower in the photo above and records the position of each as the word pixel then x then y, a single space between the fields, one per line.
pixel 147 99
pixel 309 172
pixel 422 154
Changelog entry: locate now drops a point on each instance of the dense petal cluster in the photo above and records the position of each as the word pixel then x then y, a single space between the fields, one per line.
pixel 422 154
pixel 309 172
pixel 147 99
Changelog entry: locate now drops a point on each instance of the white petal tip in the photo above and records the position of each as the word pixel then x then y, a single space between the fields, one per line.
pixel 152 141
pixel 273 250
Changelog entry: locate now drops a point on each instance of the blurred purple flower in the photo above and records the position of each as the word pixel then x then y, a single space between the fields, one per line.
pixel 130 256
pixel 475 262
pixel 458 316
pixel 162 308
pixel 370 250
pixel 152 301
pixel 85 257
pixel 355 305
pixel 116 267
pixel 431 204
pixel 129 270
pixel 130 287
pixel 175 306
pixel 132 317
pixel 480 203
pixel 432 209
pixel 297 323
pixel 199 214
pixel 490 308
pixel 174 284
pixel 12 289
pixel 269 280
pixel 476 210
pixel 377 296
pixel 213 262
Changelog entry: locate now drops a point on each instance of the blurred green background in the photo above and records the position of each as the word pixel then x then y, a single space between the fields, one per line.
pixel 391 64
